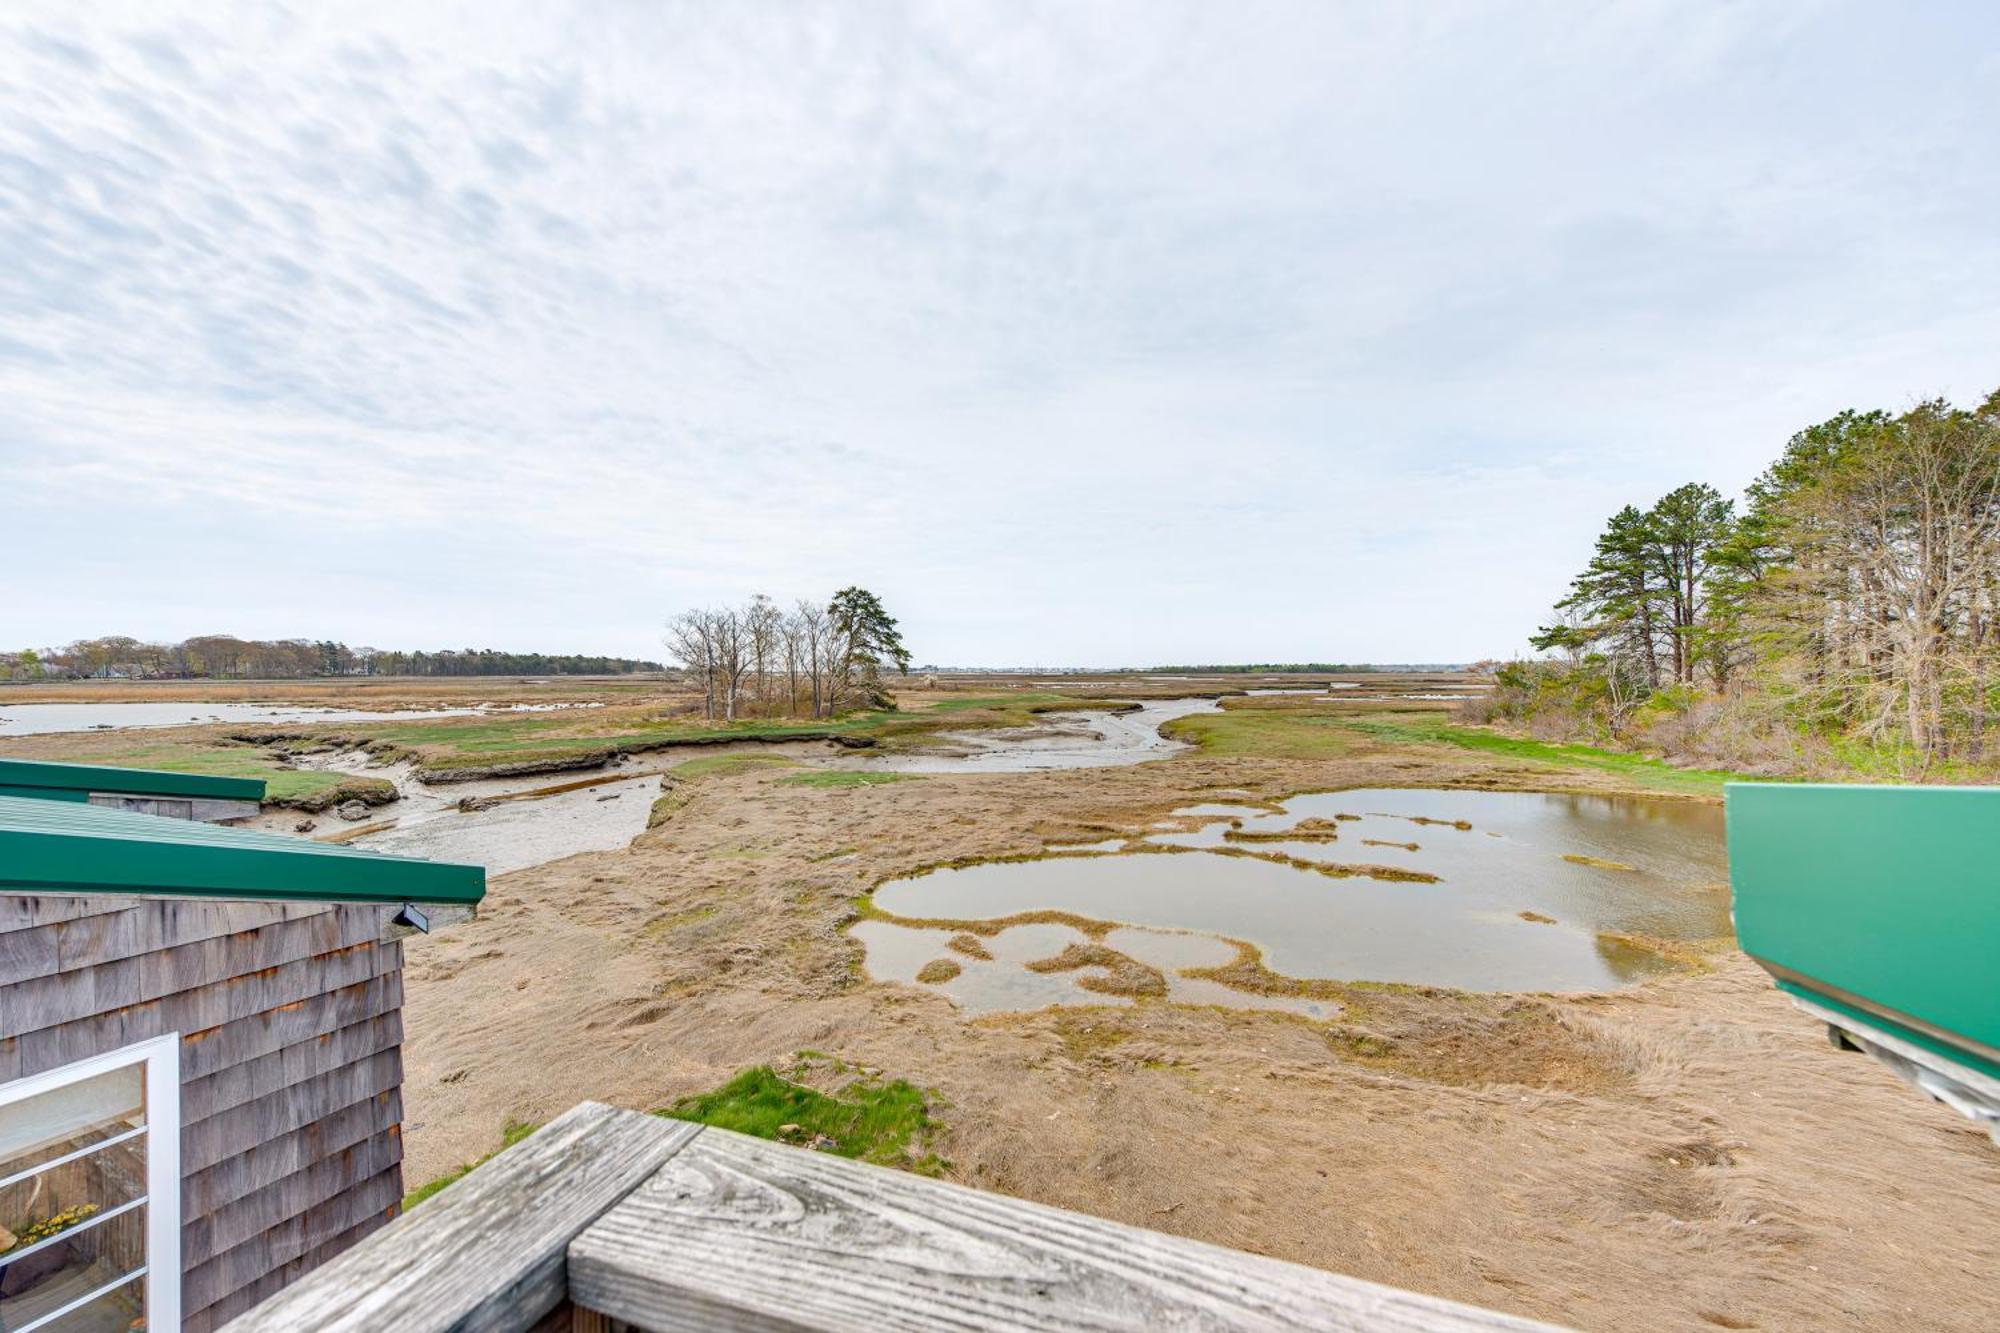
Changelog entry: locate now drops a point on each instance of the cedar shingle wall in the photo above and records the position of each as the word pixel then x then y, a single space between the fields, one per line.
pixel 290 1017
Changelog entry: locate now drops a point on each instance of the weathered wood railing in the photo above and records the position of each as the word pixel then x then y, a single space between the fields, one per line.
pixel 610 1219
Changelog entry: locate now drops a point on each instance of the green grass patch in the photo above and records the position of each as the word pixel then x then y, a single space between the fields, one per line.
pixel 544 752
pixel 873 1121
pixel 1266 733
pixel 479 739
pixel 730 765
pixel 999 702
pixel 511 1135
pixel 228 760
pixel 1637 768
pixel 1296 733
pixel 846 777
pixel 532 747
pixel 482 732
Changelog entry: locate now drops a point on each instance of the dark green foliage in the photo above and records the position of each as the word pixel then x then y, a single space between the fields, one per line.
pixel 1852 608
pixel 1640 601
pixel 869 631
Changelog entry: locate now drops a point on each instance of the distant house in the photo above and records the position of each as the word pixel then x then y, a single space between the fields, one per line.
pixel 200 1048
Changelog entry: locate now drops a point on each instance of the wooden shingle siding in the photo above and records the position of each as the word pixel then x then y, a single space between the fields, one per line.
pixel 206 1045
pixel 206 1142
pixel 291 1062
pixel 261 1075
pixel 208 1234
pixel 128 927
pixel 19 911
pixel 246 1172
pixel 207 1050
pixel 230 960
pixel 208 1282
pixel 196 1013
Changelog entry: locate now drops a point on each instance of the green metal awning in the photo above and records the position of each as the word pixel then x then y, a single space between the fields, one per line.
pixel 77 781
pixel 1877 901
pixel 55 846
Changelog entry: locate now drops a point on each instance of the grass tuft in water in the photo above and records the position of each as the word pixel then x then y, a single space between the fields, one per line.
pixel 1596 862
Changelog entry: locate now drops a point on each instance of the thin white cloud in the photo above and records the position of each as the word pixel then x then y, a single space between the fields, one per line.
pixel 1103 333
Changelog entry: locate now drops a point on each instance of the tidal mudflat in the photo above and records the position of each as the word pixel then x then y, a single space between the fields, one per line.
pixel 1477 890
pixel 507 825
pixel 1041 964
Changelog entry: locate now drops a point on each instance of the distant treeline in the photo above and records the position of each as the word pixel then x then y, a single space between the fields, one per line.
pixel 225 657
pixel 1273 668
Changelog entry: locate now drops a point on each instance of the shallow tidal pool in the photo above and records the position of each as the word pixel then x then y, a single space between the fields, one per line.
pixel 1478 890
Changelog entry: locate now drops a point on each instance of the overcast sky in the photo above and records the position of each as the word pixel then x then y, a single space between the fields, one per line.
pixel 1081 333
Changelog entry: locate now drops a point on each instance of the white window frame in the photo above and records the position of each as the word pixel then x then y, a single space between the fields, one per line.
pixel 161 1057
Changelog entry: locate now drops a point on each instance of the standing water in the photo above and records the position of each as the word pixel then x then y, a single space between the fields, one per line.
pixel 1494 891
pixel 23 719
pixel 1064 740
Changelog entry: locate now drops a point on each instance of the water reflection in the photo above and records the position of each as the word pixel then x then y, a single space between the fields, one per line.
pixel 1506 910
pixel 1064 740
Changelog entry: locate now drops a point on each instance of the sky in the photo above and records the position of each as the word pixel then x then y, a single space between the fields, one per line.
pixel 1083 334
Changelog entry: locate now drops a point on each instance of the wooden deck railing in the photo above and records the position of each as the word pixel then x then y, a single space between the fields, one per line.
pixel 608 1219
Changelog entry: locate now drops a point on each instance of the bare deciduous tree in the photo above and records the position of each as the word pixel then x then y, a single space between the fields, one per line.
pixel 819 657
pixel 691 642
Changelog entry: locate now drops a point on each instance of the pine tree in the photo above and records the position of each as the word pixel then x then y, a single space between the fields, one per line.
pixel 868 638
pixel 1618 604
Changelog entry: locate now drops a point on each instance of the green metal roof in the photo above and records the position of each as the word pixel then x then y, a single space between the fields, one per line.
pixel 24 773
pixel 54 845
pixel 1882 900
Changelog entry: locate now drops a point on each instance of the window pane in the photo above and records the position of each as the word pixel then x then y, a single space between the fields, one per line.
pixel 73 1263
pixel 61 1237
pixel 121 1310
pixel 48 1124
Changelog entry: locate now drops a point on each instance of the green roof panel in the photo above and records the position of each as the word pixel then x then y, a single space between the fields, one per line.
pixel 1882 900
pixel 24 773
pixel 66 847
